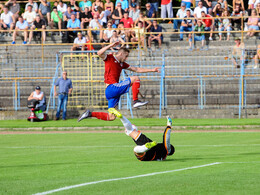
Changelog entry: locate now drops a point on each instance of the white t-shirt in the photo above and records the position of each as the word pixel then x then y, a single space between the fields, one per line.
pixel 77 41
pixel 109 33
pixel 62 9
pixel 106 14
pixel 29 16
pixel 182 14
pixel 198 11
pixel 93 24
pixel 256 2
pixel 7 18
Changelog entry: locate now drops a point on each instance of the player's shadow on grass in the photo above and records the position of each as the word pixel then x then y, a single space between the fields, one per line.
pixel 183 159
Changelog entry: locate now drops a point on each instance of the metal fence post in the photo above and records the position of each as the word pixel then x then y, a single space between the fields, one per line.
pixel 162 86
pixel 241 83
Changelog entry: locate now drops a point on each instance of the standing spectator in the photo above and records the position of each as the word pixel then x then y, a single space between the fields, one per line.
pixel 252 24
pixel 14 8
pixel 62 7
pixel 133 3
pixel 225 25
pixel 33 4
pixel 128 23
pixel 239 3
pixel 208 23
pixel 74 5
pixel 157 37
pixel 86 17
pixel 257 57
pixel 79 44
pixel 237 13
pixel 188 3
pixel 134 13
pixel 94 27
pixel 198 36
pixel 85 3
pixel 107 33
pixel 155 6
pixel 21 24
pixel 6 21
pixel 65 89
pixel 237 53
pixel 37 25
pixel 103 16
pixel 124 4
pixel 186 24
pixel 30 16
pixel 67 16
pixel 73 23
pixel 199 9
pixel 138 33
pixel 109 5
pixel 56 19
pixel 180 14
pixel 166 7
pixel 96 4
pixel 45 10
pixel 118 14
pixel 149 12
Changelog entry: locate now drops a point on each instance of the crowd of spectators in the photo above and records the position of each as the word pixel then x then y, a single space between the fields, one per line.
pixel 125 21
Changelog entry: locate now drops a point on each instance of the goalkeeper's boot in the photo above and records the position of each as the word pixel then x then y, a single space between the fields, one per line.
pixel 150 145
pixel 169 121
pixel 84 115
pixel 115 112
pixel 167 135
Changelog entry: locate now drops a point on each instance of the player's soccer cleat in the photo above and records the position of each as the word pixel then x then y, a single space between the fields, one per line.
pixel 84 115
pixel 150 145
pixel 138 103
pixel 169 121
pixel 115 112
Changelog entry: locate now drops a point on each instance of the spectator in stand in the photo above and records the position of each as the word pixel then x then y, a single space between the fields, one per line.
pixel 73 23
pixel 188 3
pixel 33 4
pixel 109 5
pixel 257 57
pixel 157 37
pixel 155 6
pixel 94 27
pixel 1 8
pixel 85 3
pixel 108 33
pixel 135 3
pixel 88 45
pixel 199 9
pixel 37 25
pixel 29 15
pixel 237 13
pixel 67 16
pixel 134 13
pixel 180 14
pixel 14 8
pixel 96 4
pixel 149 13
pixel 124 4
pixel 225 25
pixel 56 19
pixel 207 4
pixel 218 10
pixel 121 32
pixel 116 38
pixel 239 3
pixel 223 4
pixel 198 36
pixel 252 24
pixel 6 21
pixel 86 17
pixel 104 14
pixel 62 7
pixel 166 9
pixel 258 9
pixel 128 23
pixel 74 5
pixel 78 45
pixel 208 23
pixel 237 53
pixel 187 24
pixel 45 10
pixel 118 14
pixel 146 23
pixel 138 33
pixel 21 24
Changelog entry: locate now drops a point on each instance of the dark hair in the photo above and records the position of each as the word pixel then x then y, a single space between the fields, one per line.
pixel 203 12
pixel 187 10
pixel 121 22
pixel 30 6
pixel 54 8
pixel 123 50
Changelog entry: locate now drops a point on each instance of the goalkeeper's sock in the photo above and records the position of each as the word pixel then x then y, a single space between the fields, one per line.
pixel 127 124
pixel 135 89
pixel 101 115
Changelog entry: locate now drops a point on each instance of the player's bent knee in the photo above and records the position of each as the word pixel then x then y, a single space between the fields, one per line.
pixel 134 78
pixel 111 117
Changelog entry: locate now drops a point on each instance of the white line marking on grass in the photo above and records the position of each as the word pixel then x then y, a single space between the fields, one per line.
pixel 124 178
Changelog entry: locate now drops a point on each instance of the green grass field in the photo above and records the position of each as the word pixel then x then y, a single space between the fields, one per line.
pixel 33 163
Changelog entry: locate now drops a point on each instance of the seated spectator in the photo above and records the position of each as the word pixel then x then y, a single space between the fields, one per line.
pixel 62 7
pixel 56 19
pixel 55 4
pixel 188 3
pixel 33 4
pixel 29 16
pixel 107 33
pixel 134 13
pixel 109 5
pixel 207 4
pixel 6 21
pixel 134 3
pixel 199 9
pixel 86 17
pixel 225 25
pixel 124 4
pixel 39 96
pixel 37 25
pixel 218 10
pixel 74 5
pixel 157 37
pixel 21 24
pixel 239 3
pixel 154 5
pixel 118 13
pixel 198 36
pixel 121 32
pixel 128 23
pixel 104 14
pixel 237 53
pixel 67 16
pixel 186 24
pixel 96 4
pixel 1 8
pixel 208 23
pixel 149 13
pixel 78 45
pixel 14 8
pixel 252 24
pixel 94 27
pixel 180 14
pixel 45 10
pixel 85 3
pixel 146 23
pixel 138 33
pixel 73 24
pixel 257 8
pixel 223 4
pixel 166 9
pixel 88 46
pixel 257 57
pixel 237 13
pixel 116 38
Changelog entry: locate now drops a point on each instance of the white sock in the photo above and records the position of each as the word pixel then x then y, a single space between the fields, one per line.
pixel 140 149
pixel 127 124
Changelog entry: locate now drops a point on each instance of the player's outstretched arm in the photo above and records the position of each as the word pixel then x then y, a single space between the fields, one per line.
pixel 144 70
pixel 102 51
